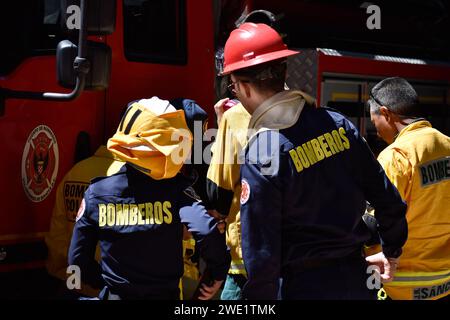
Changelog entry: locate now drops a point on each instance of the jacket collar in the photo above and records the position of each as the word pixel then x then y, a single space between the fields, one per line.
pixel 280 111
pixel 417 124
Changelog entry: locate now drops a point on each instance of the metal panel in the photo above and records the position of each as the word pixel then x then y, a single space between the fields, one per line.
pixel 302 71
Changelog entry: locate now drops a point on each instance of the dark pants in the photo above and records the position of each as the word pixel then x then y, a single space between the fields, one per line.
pixel 106 294
pixel 344 279
pixel 445 299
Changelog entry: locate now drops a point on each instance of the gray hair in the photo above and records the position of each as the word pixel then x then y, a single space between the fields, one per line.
pixel 396 94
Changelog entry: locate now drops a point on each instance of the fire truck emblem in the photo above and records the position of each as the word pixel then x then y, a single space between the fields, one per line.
pixel 40 163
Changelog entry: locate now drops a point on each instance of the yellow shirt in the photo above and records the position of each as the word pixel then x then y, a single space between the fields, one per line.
pixel 223 179
pixel 418 164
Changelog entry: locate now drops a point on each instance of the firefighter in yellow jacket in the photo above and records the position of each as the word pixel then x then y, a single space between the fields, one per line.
pixel 224 189
pixel 68 198
pixel 417 161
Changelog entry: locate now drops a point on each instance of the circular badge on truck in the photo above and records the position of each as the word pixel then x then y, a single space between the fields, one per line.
pixel 40 163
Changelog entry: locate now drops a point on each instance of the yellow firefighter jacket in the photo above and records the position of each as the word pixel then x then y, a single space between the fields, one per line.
pixel 223 179
pixel 69 194
pixel 418 164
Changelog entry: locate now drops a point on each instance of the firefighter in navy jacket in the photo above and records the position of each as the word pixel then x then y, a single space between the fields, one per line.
pixel 138 214
pixel 305 181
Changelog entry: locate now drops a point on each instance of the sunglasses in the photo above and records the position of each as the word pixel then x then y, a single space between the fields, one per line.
pixel 375 99
pixel 232 86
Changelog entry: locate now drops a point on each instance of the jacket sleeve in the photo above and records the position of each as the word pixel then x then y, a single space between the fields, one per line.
pixel 223 172
pixel 83 246
pixel 398 169
pixel 390 209
pixel 210 243
pixel 58 237
pixel 261 208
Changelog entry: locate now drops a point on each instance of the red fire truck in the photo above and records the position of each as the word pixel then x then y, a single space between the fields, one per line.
pixel 67 69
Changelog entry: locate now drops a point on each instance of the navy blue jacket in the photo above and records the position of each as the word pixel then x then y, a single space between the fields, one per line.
pixel 139 224
pixel 303 198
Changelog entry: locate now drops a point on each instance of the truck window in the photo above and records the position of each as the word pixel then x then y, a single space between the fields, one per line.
pixel 27 28
pixel 155 31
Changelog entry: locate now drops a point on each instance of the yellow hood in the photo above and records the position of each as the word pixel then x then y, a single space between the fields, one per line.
pixel 157 143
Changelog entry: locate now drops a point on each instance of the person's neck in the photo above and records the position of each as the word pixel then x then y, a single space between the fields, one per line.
pixel 403 123
pixel 260 98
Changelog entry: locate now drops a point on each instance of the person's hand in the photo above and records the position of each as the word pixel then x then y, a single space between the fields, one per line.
pixel 387 266
pixel 207 292
pixel 219 108
pixel 221 223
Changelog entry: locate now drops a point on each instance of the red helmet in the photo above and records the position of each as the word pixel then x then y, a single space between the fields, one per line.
pixel 253 44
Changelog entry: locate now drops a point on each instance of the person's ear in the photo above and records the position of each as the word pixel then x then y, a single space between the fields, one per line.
pixel 246 88
pixel 386 113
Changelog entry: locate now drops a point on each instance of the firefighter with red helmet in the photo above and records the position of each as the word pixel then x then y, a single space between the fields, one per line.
pixel 306 176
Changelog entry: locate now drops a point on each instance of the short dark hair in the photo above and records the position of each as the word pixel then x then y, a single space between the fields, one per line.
pixel 266 76
pixel 395 93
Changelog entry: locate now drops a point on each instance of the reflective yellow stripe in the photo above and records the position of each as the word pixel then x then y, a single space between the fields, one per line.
pixel 409 279
pixel 421 278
